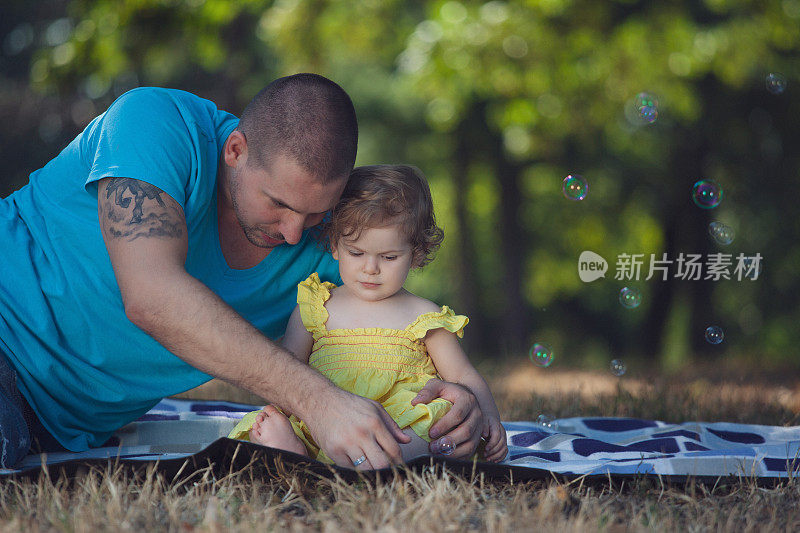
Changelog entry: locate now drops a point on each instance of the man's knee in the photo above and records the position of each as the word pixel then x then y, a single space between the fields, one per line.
pixel 15 438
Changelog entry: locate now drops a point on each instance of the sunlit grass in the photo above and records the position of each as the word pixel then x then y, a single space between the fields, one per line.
pixel 104 500
pixel 117 499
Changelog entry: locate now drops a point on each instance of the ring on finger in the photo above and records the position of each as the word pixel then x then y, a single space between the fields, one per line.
pixel 360 460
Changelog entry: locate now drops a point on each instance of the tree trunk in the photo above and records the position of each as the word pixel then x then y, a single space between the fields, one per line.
pixel 466 264
pixel 512 247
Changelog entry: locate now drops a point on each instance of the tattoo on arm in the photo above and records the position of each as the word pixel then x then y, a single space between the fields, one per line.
pixel 139 190
pixel 154 213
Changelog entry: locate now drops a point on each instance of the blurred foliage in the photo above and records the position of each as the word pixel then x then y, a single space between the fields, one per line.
pixel 496 102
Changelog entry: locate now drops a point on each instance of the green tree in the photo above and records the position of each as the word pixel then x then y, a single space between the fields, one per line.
pixel 497 102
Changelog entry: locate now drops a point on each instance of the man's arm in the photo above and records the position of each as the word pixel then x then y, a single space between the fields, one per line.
pixel 463 423
pixel 145 233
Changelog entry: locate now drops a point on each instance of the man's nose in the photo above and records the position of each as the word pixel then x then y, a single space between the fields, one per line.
pixel 292 229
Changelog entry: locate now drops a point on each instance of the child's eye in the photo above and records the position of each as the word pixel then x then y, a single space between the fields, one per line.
pixel 356 254
pixel 390 257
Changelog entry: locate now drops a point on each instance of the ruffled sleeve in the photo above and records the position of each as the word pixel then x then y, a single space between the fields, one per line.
pixel 445 318
pixel 311 297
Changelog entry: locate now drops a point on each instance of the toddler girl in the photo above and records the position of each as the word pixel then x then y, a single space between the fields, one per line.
pixel 370 336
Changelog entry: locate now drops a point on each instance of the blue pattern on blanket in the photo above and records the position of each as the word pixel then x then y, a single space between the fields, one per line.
pixel 152 417
pixel 781 465
pixel 602 446
pixel 549 456
pixel 617 424
pixel 572 446
pixel 528 438
pixel 738 436
pixel 587 447
pixel 679 433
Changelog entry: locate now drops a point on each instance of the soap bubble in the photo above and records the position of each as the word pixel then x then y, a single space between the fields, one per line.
pixel 714 334
pixel 646 105
pixel 575 187
pixel 444 446
pixel 642 109
pixel 776 83
pixel 721 233
pixel 546 421
pixel 645 99
pixel 707 194
pixel 541 355
pixel 618 367
pixel 648 114
pixel 630 298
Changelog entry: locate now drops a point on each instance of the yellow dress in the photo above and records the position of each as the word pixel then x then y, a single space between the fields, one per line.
pixel 389 366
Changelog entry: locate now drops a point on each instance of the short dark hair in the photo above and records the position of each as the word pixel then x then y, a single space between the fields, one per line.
pixel 306 117
pixel 378 195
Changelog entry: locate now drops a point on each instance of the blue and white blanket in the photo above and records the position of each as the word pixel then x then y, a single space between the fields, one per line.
pixel 603 446
pixel 179 429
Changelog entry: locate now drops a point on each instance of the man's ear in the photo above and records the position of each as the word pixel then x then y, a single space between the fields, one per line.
pixel 235 149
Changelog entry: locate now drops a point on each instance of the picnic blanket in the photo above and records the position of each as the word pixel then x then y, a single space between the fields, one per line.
pixel 177 433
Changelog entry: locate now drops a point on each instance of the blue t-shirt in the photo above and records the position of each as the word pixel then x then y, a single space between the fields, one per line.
pixel 83 366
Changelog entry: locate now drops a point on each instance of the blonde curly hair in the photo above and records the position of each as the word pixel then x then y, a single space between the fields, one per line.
pixel 379 195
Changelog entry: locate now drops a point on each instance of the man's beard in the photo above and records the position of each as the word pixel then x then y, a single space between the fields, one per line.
pixel 252 233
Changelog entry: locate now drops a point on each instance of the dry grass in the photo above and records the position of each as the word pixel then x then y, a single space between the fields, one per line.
pixel 711 393
pixel 116 500
pixel 433 500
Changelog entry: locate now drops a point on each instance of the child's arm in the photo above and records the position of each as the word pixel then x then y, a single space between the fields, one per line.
pixel 453 365
pixel 297 338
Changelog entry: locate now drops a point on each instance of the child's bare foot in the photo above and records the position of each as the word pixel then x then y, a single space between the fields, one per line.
pixel 273 429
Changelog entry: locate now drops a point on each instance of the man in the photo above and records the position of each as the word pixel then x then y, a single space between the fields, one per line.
pixel 163 246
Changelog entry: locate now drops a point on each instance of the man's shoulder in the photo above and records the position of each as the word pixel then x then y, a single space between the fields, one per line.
pixel 148 96
pixel 166 104
pixel 160 93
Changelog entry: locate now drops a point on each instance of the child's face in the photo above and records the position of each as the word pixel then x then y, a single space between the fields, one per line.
pixel 375 265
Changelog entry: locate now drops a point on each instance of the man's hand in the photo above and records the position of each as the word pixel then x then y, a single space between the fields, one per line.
pixel 495 436
pixel 347 427
pixel 463 423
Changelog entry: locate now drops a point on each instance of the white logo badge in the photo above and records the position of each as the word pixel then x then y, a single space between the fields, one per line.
pixel 591 266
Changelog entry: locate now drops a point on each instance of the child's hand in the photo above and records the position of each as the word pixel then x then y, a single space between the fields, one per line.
pixel 495 436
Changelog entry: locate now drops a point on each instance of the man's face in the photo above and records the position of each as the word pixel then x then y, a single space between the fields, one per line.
pixel 275 204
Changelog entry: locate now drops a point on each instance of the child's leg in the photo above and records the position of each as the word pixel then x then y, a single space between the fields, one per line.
pixel 272 428
pixel 418 446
